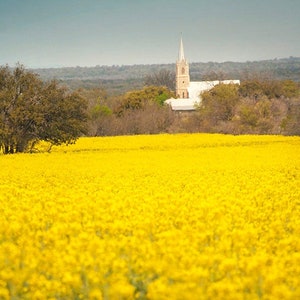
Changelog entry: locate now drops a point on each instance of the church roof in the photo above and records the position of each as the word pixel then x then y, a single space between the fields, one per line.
pixel 183 104
pixel 197 87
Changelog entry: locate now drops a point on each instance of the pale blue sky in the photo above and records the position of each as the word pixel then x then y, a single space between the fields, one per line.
pixel 53 33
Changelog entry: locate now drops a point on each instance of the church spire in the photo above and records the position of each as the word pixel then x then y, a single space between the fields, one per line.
pixel 181 51
pixel 182 74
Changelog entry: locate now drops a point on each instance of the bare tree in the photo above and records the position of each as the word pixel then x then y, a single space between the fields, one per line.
pixel 161 78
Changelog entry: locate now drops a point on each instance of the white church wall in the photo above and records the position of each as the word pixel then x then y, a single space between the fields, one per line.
pixel 197 87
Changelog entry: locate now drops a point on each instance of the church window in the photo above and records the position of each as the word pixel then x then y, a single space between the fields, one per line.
pixel 182 70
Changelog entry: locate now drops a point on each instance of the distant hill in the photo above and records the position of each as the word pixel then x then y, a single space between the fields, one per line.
pixel 118 79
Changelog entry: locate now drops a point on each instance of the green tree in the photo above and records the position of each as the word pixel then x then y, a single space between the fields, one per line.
pixel 19 101
pixel 248 116
pixel 31 110
pixel 251 88
pixel 255 88
pixel 218 104
pixel 99 110
pixel 290 89
pixel 63 115
pixel 137 99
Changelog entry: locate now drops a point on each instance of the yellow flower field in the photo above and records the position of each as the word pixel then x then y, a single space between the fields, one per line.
pixel 189 216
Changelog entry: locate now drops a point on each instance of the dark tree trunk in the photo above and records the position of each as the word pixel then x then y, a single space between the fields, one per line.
pixel 20 147
pixel 6 149
pixel 11 149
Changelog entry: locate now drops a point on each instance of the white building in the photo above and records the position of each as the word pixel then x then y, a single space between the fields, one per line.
pixel 189 92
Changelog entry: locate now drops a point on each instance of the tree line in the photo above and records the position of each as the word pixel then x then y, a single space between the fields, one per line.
pixel 256 106
pixel 32 110
pixel 120 79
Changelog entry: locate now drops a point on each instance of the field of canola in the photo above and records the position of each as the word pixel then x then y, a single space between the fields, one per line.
pixel 153 217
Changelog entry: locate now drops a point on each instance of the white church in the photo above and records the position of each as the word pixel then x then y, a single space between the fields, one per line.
pixel 189 92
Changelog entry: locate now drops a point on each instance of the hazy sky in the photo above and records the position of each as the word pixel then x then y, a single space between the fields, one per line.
pixel 53 33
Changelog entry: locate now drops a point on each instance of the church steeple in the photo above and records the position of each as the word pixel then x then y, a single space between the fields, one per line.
pixel 182 74
pixel 181 51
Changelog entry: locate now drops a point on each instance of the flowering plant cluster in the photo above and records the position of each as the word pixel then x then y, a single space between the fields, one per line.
pixel 189 216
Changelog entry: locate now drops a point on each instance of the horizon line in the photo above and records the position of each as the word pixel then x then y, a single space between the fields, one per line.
pixel 156 64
